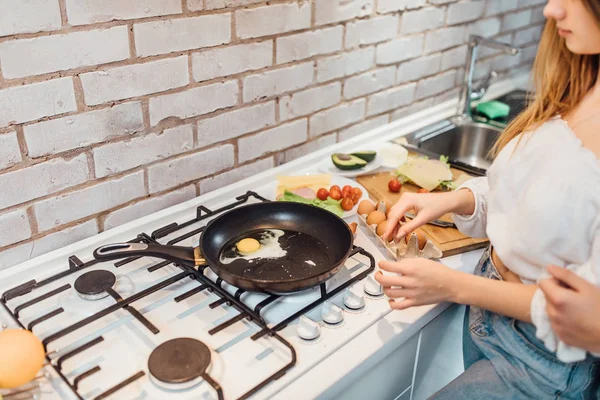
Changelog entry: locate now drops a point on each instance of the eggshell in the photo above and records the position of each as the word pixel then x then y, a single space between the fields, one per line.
pixel 365 207
pixel 21 357
pixel 381 228
pixel 375 218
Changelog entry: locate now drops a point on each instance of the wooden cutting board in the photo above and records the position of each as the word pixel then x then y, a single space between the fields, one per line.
pixel 449 240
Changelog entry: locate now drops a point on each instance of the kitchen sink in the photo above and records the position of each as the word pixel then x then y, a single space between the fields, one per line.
pixel 465 143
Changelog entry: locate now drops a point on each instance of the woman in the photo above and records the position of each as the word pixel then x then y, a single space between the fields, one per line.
pixel 538 205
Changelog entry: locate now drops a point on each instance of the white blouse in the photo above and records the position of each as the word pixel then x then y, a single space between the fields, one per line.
pixel 540 205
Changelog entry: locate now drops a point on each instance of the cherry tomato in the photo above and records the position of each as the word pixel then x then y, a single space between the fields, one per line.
pixel 357 192
pixel 347 187
pixel 394 185
pixel 335 194
pixel 355 198
pixel 422 191
pixel 346 191
pixel 347 204
pixel 322 194
pixel 335 187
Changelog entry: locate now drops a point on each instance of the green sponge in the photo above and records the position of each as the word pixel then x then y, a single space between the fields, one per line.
pixel 493 109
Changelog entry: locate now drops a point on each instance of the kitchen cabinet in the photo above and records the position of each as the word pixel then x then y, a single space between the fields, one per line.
pixel 439 359
pixel 386 378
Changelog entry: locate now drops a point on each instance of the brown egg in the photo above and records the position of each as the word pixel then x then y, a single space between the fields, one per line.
pixel 365 207
pixel 381 228
pixel 21 357
pixel 375 218
pixel 421 238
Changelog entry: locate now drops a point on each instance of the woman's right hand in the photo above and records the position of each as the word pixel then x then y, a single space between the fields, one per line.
pixel 427 207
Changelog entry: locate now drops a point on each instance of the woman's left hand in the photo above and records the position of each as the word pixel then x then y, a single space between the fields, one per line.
pixel 420 281
pixel 573 305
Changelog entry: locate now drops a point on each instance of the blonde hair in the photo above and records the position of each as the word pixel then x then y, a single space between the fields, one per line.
pixel 561 79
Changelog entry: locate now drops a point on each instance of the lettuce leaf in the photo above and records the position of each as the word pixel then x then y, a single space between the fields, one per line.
pixel 330 204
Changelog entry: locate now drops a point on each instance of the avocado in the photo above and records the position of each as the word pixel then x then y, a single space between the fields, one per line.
pixel 367 155
pixel 347 161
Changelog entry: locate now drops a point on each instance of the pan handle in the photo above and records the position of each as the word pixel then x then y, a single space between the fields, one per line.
pixel 177 254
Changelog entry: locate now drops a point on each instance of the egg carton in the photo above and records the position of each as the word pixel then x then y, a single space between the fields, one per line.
pixel 401 250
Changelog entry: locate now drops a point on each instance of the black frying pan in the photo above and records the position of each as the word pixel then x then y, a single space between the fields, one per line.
pixel 317 243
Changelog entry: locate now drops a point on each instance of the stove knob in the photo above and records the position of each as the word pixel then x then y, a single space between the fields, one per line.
pixel 372 287
pixel 354 298
pixel 308 329
pixel 332 314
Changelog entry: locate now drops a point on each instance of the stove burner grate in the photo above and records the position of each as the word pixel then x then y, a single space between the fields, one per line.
pixel 93 285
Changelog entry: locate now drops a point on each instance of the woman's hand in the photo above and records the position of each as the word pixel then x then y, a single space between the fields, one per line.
pixel 421 282
pixel 574 309
pixel 427 207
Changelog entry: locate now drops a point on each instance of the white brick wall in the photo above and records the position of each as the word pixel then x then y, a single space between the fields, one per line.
pixel 516 20
pixel 391 99
pixel 168 97
pixel 28 16
pixel 443 39
pixel 44 54
pixel 337 117
pixel 192 102
pixel 29 102
pixel 306 148
pixel 419 68
pixel 14 227
pixel 82 12
pixel 372 30
pixel 20 253
pixel 42 179
pixel 189 168
pixel 10 154
pixel 308 44
pixel 271 20
pixel 328 11
pixel 384 6
pixel 121 156
pixel 278 81
pixel 225 61
pixel 235 175
pixel 436 85
pixel 67 133
pixel 273 139
pixel 81 203
pixel 422 20
pixel 362 127
pixel 149 206
pixel 369 82
pixel 464 11
pixel 309 101
pixel 134 80
pixel 400 50
pixel 236 123
pixel 345 64
pixel 161 37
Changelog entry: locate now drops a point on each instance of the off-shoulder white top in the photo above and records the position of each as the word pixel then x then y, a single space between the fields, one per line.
pixel 540 204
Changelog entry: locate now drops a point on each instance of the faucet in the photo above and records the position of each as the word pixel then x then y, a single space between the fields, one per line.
pixel 468 93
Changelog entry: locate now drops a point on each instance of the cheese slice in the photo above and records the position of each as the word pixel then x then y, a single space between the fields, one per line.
pixel 314 182
pixel 426 173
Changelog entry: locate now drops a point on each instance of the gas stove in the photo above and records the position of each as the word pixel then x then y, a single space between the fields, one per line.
pixel 145 328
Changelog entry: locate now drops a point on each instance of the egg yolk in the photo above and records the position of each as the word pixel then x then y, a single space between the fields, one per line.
pixel 248 245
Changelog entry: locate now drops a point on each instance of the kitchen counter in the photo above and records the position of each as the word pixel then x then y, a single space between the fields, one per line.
pixel 396 337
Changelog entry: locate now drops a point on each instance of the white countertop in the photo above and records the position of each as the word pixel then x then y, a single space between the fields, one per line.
pixel 390 331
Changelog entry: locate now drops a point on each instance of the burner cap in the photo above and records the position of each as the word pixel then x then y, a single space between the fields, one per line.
pixel 93 284
pixel 179 360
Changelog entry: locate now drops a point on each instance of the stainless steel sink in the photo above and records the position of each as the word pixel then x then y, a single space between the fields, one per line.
pixel 465 143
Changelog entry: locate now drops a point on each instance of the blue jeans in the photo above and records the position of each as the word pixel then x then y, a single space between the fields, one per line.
pixel 504 360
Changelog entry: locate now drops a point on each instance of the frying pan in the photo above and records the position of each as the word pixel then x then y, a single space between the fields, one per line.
pixel 316 244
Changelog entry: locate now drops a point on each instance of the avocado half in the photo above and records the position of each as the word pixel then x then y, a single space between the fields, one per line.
pixel 347 161
pixel 366 155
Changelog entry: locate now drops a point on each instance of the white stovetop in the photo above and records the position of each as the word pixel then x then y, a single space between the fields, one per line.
pixel 239 362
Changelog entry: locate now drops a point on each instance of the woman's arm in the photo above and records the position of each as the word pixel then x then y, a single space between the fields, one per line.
pixel 421 281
